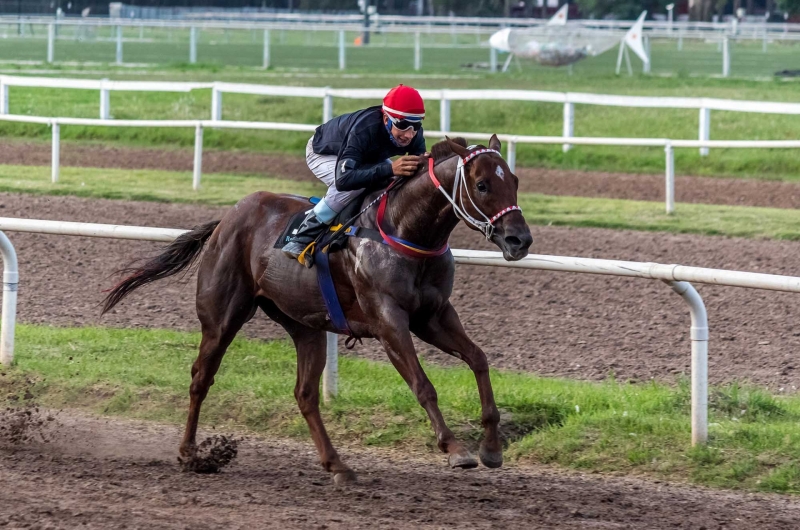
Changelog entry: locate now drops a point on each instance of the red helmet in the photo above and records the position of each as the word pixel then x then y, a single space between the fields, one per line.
pixel 404 103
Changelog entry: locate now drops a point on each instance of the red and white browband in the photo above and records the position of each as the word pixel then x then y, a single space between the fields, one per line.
pixel 460 189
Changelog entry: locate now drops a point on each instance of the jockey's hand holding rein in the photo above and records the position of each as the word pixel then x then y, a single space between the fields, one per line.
pixel 408 165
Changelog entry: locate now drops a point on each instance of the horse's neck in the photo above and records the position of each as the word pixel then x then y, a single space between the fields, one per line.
pixel 419 213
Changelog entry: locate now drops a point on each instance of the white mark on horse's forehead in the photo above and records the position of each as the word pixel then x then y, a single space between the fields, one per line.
pixel 500 173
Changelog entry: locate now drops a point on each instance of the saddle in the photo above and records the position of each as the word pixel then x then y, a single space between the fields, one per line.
pixel 335 241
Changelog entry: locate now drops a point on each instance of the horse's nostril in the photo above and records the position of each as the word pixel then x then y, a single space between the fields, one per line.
pixel 513 241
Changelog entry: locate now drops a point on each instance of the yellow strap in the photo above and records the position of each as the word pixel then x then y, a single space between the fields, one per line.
pixel 335 228
pixel 308 250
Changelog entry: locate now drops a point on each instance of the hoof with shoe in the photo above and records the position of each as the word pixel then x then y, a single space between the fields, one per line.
pixel 342 478
pixel 463 461
pixel 491 459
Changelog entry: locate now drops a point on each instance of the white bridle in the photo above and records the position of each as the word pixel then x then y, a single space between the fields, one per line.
pixel 460 189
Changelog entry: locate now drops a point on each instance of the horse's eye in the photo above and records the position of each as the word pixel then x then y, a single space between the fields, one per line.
pixel 482 187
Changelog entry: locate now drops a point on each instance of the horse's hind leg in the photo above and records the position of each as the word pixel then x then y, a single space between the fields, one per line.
pixel 223 307
pixel 310 364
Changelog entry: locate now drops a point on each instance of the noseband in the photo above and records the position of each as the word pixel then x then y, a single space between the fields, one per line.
pixel 460 189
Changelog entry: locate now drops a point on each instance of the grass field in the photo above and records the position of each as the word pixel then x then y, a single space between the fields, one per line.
pixel 220 190
pixel 610 426
pixel 388 52
pixel 484 116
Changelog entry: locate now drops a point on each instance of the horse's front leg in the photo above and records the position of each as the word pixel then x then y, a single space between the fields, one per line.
pixel 444 330
pixel 396 339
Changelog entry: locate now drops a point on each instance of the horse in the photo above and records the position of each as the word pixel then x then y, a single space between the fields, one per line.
pixel 384 294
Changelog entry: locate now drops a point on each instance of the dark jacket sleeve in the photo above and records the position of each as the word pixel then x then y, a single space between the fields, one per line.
pixel 351 172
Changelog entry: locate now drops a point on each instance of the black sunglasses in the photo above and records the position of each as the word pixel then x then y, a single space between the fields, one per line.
pixel 404 125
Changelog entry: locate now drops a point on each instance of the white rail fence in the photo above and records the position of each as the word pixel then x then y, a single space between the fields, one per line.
pixel 510 141
pixel 445 97
pixel 677 276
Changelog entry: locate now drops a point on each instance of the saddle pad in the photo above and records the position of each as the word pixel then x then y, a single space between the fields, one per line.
pixel 294 222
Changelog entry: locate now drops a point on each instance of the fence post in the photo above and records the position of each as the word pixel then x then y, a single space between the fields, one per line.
pixel 327 106
pixel 569 124
pixel 417 52
pixel 193 45
pixel 646 65
pixel 670 184
pixel 330 375
pixel 680 39
pixel 699 336
pixel 198 156
pixel 705 128
pixel 51 37
pixel 216 103
pixel 726 58
pixel 105 101
pixel 9 314
pixel 55 161
pixel 444 113
pixel 342 64
pixel 119 44
pixel 511 154
pixel 492 60
pixel 265 63
pixel 3 96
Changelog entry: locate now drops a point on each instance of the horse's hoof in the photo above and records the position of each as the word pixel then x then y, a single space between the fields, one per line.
pixel 463 461
pixel 490 459
pixel 190 451
pixel 342 478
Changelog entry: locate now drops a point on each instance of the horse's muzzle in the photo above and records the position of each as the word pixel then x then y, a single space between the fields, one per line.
pixel 514 239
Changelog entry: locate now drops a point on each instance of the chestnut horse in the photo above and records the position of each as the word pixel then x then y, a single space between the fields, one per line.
pixel 384 294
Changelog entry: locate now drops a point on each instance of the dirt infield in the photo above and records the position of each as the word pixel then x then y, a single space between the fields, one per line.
pixel 547 181
pixel 108 473
pixel 574 325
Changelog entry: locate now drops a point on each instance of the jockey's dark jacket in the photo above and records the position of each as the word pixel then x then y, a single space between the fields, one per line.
pixel 362 144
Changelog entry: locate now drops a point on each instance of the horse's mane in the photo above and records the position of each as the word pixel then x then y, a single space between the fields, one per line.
pixel 441 150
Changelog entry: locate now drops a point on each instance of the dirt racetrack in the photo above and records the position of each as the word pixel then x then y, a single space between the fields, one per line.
pixel 109 473
pixel 573 325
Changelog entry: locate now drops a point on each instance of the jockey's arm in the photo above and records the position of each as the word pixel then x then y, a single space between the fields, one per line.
pixel 353 174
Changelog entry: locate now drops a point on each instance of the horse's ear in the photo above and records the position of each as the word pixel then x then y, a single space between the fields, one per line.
pixel 494 143
pixel 458 149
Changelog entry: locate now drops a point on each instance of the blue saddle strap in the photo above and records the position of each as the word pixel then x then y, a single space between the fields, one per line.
pixel 329 295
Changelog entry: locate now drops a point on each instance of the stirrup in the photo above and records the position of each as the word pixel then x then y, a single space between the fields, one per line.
pixel 307 256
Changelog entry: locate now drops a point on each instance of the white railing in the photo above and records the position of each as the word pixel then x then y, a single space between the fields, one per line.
pixel 382 22
pixel 9 315
pixel 445 98
pixel 510 141
pixel 677 276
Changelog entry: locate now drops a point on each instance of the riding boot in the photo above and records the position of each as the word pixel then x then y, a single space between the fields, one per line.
pixel 309 229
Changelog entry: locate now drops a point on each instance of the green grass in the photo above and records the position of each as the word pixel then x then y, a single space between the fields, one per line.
pixel 524 118
pixel 221 189
pixel 609 426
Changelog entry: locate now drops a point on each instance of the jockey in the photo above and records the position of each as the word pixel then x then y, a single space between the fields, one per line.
pixel 350 154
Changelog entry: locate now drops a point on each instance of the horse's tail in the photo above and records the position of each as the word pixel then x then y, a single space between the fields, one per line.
pixel 176 257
